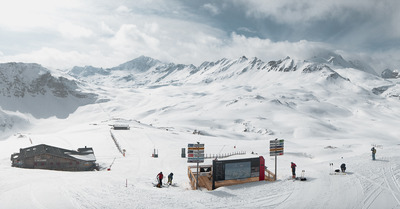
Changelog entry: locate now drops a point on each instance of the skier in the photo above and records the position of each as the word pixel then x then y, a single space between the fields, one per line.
pixel 160 176
pixel 293 166
pixel 343 167
pixel 373 153
pixel 170 177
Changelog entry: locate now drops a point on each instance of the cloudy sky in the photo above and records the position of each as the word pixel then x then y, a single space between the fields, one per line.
pixel 104 33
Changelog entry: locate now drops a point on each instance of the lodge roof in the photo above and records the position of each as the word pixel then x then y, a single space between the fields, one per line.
pixel 85 154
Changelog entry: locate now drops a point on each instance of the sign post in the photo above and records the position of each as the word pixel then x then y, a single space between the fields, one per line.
pixel 275 149
pixel 196 155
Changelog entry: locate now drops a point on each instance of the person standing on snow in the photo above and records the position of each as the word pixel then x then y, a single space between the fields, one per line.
pixel 160 176
pixel 293 166
pixel 343 167
pixel 170 177
pixel 373 150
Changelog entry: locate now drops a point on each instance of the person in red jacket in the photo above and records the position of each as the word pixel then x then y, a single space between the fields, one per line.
pixel 160 176
pixel 293 166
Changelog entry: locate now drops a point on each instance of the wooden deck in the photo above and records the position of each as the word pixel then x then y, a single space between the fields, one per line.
pixel 205 182
pixel 235 182
pixel 269 175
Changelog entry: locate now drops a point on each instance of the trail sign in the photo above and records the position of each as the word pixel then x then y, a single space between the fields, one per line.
pixel 195 153
pixel 276 147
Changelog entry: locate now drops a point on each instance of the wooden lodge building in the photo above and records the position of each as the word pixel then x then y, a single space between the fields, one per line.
pixel 53 158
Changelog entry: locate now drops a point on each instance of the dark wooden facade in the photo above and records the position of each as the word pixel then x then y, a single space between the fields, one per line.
pixel 53 158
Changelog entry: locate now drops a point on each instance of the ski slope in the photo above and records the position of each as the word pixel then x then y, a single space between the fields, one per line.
pixel 368 184
pixel 324 121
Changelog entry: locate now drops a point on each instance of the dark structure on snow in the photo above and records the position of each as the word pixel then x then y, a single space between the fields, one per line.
pixel 121 127
pixel 53 158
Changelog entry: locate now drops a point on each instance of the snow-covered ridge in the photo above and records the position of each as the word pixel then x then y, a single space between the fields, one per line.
pixel 148 71
pixel 31 88
pixel 23 79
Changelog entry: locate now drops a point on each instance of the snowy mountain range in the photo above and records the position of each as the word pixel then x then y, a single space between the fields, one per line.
pixel 327 109
pixel 28 88
pixel 148 71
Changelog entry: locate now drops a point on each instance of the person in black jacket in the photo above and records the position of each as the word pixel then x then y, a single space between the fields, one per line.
pixel 373 150
pixel 170 177
pixel 343 167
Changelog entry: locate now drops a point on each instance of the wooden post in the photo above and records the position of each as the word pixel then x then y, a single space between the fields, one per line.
pixel 197 176
pixel 275 167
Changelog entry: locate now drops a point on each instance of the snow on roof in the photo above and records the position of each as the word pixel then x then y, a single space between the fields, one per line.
pixel 238 157
pixel 121 125
pixel 86 157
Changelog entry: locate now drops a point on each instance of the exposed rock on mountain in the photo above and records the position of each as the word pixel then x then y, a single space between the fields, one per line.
pixel 31 88
pixel 388 73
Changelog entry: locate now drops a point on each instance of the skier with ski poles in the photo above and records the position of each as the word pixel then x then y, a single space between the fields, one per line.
pixel 170 177
pixel 159 177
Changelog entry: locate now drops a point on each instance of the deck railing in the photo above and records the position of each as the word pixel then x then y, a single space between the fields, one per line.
pixel 224 155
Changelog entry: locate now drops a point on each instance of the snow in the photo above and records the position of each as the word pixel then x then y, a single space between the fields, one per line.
pixel 322 121
pixel 86 157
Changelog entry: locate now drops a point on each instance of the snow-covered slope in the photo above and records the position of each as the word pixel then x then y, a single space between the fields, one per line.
pixel 32 90
pixel 148 71
pixel 327 110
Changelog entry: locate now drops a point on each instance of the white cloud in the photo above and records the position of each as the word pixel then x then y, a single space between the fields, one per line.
pixel 123 9
pixel 22 15
pixel 108 33
pixel 245 29
pixel 214 10
pixel 287 11
pixel 49 57
pixel 106 29
pixel 267 50
pixel 70 30
pixel 130 38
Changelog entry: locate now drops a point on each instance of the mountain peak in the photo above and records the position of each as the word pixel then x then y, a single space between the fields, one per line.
pixel 329 57
pixel 140 64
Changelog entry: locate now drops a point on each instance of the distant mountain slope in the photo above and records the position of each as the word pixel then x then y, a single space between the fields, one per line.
pixel 147 71
pixel 224 86
pixel 31 88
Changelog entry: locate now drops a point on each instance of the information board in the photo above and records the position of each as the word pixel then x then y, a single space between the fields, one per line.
pixel 276 147
pixel 195 153
pixel 236 169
